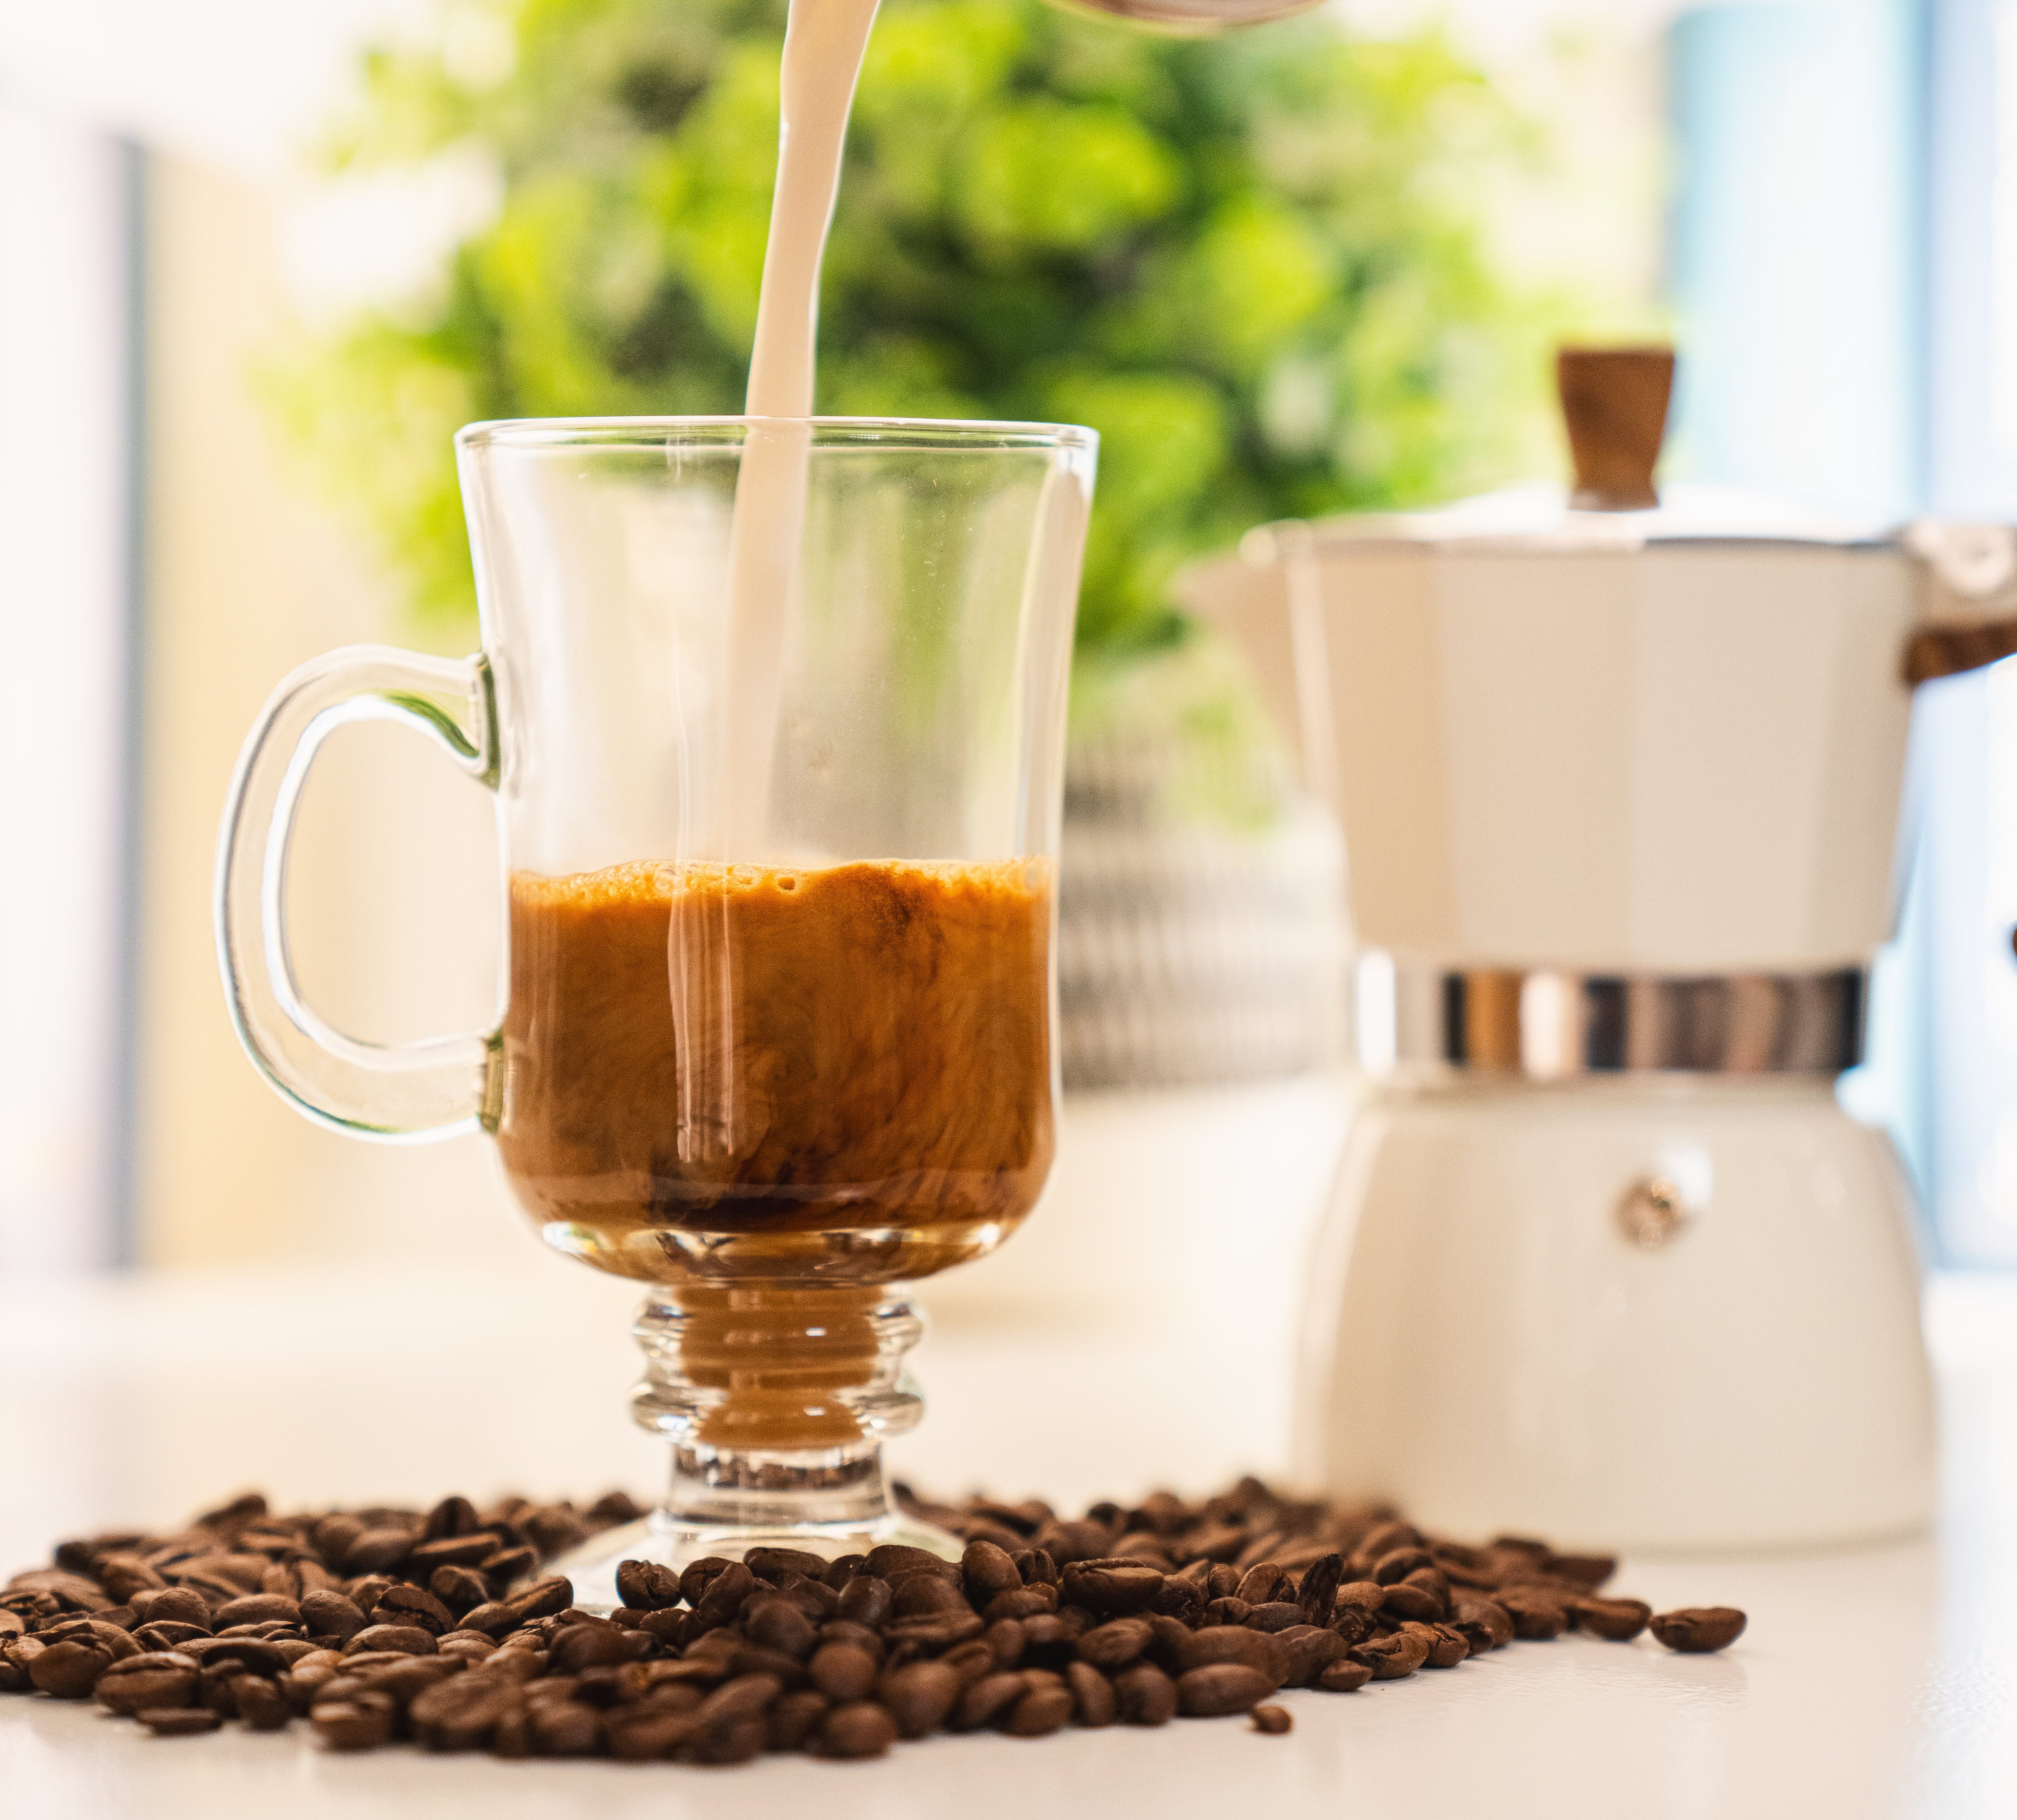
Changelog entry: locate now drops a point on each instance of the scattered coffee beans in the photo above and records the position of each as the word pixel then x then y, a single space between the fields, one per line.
pixel 383 1625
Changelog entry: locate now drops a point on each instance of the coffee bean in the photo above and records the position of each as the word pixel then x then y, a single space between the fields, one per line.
pixel 410 1604
pixel 362 1723
pixel 1618 1620
pixel 842 1672
pixel 1040 1712
pixel 1587 1571
pixel 403 1639
pixel 1696 1630
pixel 562 1729
pixel 1309 1651
pixel 1273 1721
pixel 860 1728
pixel 866 1599
pixel 155 1678
pixel 69 1671
pixel 1094 1703
pixel 921 1697
pixel 1110 1587
pixel 1447 1647
pixel 646 1586
pixel 723 1599
pixel 1219 1643
pixel 795 1718
pixel 1344 1677
pixel 1277 1615
pixel 987 1569
pixel 1114 1645
pixel 1405 1602
pixel 1318 1590
pixel 544 1597
pixel 256 1608
pixel 1390 1658
pixel 377 1550
pixel 177 1721
pixel 1537 1613
pixel 1224 1687
pixel 505 1567
pixel 1262 1584
pixel 330 1614
pixel 987 1699
pixel 1145 1695
pixel 259 1703
pixel 175 1604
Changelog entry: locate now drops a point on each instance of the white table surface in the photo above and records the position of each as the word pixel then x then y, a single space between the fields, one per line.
pixel 1874 1683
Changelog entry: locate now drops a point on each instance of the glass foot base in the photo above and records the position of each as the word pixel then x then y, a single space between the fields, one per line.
pixel 662 1538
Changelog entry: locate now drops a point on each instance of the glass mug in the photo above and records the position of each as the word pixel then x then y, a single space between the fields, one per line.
pixel 779 779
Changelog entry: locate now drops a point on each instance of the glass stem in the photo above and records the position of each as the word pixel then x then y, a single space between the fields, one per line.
pixel 777 1399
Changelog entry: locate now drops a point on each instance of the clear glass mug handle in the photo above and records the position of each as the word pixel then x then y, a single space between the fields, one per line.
pixel 400 1092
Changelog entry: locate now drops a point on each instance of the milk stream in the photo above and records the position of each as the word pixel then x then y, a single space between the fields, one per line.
pixel 823 43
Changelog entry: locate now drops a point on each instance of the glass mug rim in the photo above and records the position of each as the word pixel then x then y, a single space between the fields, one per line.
pixel 723 430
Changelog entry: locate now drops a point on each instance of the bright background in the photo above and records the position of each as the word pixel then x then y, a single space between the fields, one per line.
pixel 1821 196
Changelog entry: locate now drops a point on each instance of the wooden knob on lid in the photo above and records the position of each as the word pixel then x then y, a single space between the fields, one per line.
pixel 1614 403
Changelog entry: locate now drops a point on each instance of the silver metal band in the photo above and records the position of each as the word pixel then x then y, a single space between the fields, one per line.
pixel 1555 1026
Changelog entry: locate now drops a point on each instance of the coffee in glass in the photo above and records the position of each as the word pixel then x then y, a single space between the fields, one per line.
pixel 779 1031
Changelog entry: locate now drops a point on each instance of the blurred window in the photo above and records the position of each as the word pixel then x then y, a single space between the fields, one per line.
pixel 69 250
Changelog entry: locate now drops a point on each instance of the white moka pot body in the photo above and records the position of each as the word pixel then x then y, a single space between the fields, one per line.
pixel 1488 1345
pixel 1679 758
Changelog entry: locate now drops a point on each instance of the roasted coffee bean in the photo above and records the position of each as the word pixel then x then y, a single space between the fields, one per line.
pixel 404 1639
pixel 1110 1587
pixel 1390 1658
pixel 174 1604
pixel 1262 1584
pixel 505 1567
pixel 1696 1630
pixel 648 1586
pixel 544 1597
pixel 177 1721
pixel 361 1724
pixel 921 1697
pixel 1224 1687
pixel 1273 1721
pixel 1113 1645
pixel 1022 1601
pixel 1145 1695
pixel 156 1678
pixel 378 1550
pixel 1587 1571
pixel 69 1671
pixel 1037 1567
pixel 842 1672
pixel 561 1728
pixel 330 1614
pixel 939 1631
pixel 1317 1591
pixel 596 1644
pixel 260 1703
pixel 1478 1617
pixel 986 1700
pixel 921 1594
pixel 460 1589
pixel 1041 1711
pixel 1278 1615
pixel 866 1599
pixel 1406 1601
pixel 256 1608
pixel 776 1623
pixel 892 1559
pixel 1093 1700
pixel 1537 1614
pixel 1344 1677
pixel 860 1728
pixel 121 1577
pixel 777 1564
pixel 410 1604
pixel 1220 1643
pixel 723 1598
pixel 1397 1564
pixel 986 1570
pixel 1307 1651
pixel 1448 1648
pixel 795 1718
pixel 1617 1620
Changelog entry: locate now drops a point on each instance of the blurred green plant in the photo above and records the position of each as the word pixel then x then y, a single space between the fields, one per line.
pixel 1255 264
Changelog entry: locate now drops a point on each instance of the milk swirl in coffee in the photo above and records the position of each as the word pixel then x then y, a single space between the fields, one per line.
pixel 738 1072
